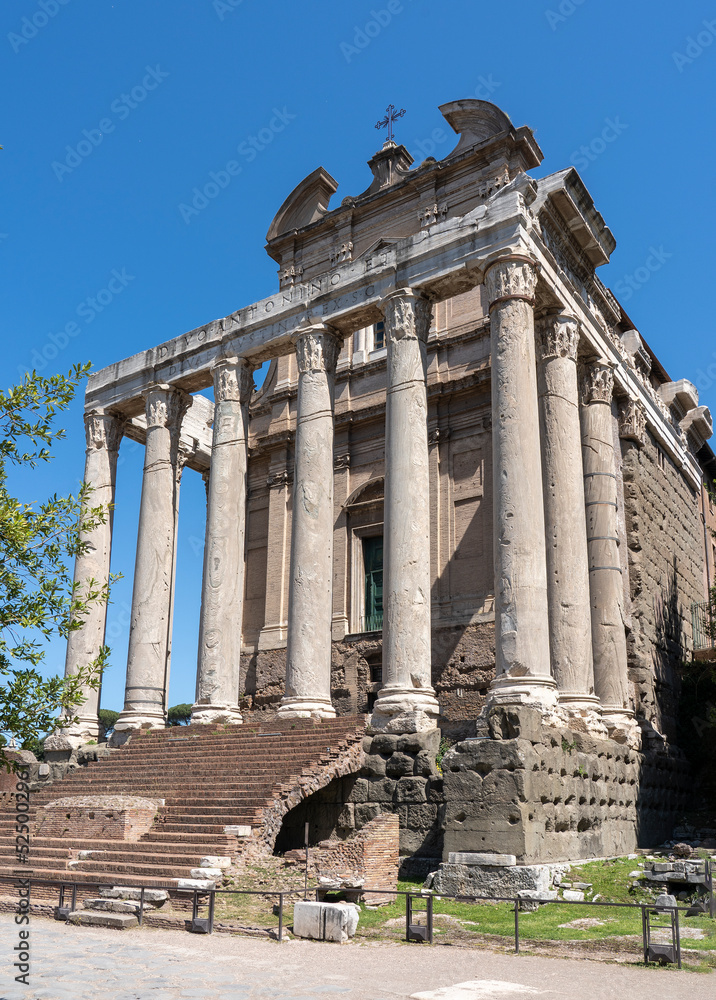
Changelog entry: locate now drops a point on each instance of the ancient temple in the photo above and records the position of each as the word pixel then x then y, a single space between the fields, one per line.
pixel 466 498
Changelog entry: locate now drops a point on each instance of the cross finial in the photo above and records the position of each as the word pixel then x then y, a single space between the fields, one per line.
pixel 391 117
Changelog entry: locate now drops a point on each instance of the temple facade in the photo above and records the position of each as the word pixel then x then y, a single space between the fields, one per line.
pixel 466 486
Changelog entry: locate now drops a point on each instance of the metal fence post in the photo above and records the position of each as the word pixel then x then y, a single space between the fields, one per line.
pixel 677 935
pixel 74 896
pixel 430 919
pixel 141 906
pixel 408 915
pixel 517 926
pixel 280 917
pixel 212 900
pixel 645 934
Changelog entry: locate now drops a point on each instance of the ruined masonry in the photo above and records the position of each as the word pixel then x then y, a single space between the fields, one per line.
pixel 466 502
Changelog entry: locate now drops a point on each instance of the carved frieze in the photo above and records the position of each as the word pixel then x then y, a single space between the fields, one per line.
pixel 558 337
pixel 103 430
pixel 632 421
pixel 342 461
pixel 511 278
pixel 341 253
pixel 233 381
pixel 407 316
pixel 598 384
pixel 317 350
pixel 290 275
pixel 429 216
pixel 278 479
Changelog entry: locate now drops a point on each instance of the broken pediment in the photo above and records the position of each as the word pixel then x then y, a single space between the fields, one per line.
pixel 307 202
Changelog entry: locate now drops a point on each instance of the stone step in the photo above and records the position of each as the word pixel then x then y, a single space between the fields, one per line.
pixel 111 905
pixel 119 921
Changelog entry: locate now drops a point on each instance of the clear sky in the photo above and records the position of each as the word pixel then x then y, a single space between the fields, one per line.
pixel 120 110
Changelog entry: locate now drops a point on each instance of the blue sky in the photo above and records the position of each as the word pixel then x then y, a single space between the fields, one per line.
pixel 120 110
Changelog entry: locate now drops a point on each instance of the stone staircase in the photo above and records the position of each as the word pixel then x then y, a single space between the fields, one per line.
pixel 210 778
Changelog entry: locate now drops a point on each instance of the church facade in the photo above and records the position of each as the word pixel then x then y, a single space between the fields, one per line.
pixel 467 496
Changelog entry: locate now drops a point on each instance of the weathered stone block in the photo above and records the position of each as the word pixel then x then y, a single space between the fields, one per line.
pixel 425 765
pixel 325 921
pixel 373 766
pixel 386 743
pixel 119 921
pixel 382 790
pixel 399 765
pixel 411 790
pixel 487 880
pixel 425 742
pixel 359 791
pixel 365 812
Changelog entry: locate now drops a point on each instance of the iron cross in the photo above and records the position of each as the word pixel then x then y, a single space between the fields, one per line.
pixel 391 117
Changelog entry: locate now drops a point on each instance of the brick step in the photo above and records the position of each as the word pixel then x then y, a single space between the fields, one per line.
pixel 157 836
pixel 89 879
pixel 205 828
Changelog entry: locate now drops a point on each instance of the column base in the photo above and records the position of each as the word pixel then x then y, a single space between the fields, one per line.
pixel 533 692
pixel 130 720
pixel 305 708
pixel 85 730
pixel 622 726
pixel 205 715
pixel 585 713
pixel 405 710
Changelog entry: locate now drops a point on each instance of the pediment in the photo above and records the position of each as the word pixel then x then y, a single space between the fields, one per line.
pixel 307 203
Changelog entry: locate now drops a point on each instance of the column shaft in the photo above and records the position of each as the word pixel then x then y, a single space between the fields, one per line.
pixel 605 573
pixel 152 596
pixel 570 630
pixel 406 701
pixel 310 602
pixel 222 597
pixel 522 669
pixel 104 433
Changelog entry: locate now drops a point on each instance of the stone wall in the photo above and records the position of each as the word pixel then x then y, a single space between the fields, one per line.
pixel 463 664
pixel 398 776
pixel 553 795
pixel 666 572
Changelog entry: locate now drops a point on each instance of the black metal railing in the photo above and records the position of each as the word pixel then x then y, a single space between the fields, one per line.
pixel 416 904
pixel 703 618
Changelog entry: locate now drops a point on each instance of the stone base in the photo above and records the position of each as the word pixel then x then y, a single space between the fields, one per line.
pixel 623 728
pixel 325 921
pixel 584 714
pixel 546 794
pixel 530 692
pixel 206 715
pixel 405 710
pixel 129 721
pixel 305 708
pixel 491 880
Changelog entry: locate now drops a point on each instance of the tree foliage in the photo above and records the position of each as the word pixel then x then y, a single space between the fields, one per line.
pixel 38 544
pixel 179 715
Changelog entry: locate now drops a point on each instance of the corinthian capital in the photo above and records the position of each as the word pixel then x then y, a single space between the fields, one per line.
pixel 166 406
pixel 317 349
pixel 558 337
pixel 511 278
pixel 233 380
pixel 408 315
pixel 103 430
pixel 598 383
pixel 632 421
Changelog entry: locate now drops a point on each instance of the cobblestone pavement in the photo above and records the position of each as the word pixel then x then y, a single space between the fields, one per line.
pixel 82 963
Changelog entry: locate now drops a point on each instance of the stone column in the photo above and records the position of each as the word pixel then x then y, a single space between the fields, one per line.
pixel 149 636
pixel 310 601
pixel 104 433
pixel 570 628
pixel 222 597
pixel 605 573
pixel 406 701
pixel 522 668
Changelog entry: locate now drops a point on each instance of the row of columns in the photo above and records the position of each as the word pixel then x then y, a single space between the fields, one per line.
pixel 558 592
